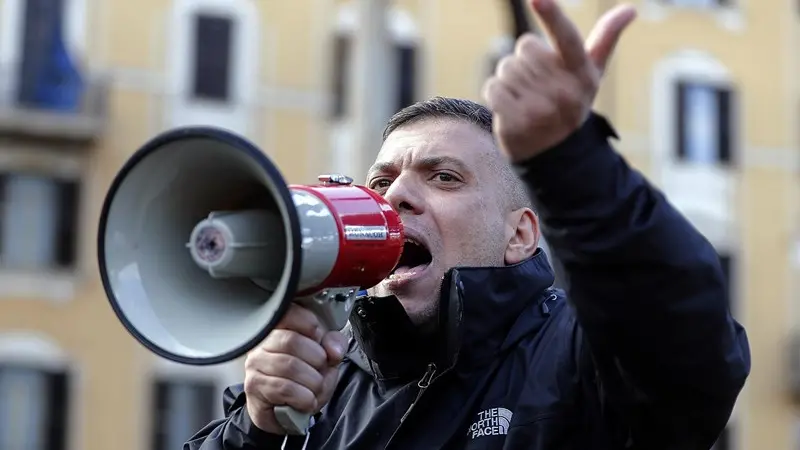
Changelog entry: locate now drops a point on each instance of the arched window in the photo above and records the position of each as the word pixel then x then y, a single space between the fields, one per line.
pixel 405 39
pixel 27 28
pixel 213 60
pixel 695 141
pixel 184 399
pixel 404 36
pixel 35 393
pixel 694 111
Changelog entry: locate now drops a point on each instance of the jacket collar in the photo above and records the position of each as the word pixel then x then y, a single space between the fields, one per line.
pixel 482 311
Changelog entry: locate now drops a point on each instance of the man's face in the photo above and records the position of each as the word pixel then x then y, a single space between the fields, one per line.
pixel 441 176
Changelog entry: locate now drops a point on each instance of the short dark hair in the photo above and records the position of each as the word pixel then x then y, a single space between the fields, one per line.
pixel 441 107
pixel 470 112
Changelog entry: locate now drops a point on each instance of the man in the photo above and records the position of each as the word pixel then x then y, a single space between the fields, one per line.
pixel 466 345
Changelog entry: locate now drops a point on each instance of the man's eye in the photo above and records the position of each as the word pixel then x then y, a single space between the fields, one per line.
pixel 380 184
pixel 445 177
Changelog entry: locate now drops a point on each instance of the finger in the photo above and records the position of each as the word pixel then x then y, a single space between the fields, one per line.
pixel 534 53
pixel 331 375
pixel 280 391
pixel 498 96
pixel 504 105
pixel 334 344
pixel 286 366
pixel 562 31
pixel 294 343
pixel 303 321
pixel 514 75
pixel 604 36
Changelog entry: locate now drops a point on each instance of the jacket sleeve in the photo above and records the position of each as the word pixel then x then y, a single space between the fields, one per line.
pixel 236 431
pixel 666 357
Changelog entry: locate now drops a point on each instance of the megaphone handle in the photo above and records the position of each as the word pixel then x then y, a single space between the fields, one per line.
pixel 293 422
pixel 332 307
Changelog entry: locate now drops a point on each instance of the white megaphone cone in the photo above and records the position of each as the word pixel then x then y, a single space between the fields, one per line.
pixel 202 247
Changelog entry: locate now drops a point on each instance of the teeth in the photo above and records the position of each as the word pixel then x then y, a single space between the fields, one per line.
pixel 413 241
pixel 395 276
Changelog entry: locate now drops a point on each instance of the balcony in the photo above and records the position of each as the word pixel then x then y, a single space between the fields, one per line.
pixel 72 109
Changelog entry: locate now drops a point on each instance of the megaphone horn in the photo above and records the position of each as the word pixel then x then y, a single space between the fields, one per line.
pixel 202 246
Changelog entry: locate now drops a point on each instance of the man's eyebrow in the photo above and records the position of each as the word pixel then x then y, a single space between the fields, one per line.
pixel 380 167
pixel 425 163
pixel 430 162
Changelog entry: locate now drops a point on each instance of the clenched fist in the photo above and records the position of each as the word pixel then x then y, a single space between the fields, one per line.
pixel 296 365
pixel 542 94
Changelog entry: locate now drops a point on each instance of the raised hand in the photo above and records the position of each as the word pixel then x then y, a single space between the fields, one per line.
pixel 542 94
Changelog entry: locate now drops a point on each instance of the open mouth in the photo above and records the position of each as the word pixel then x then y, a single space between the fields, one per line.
pixel 415 259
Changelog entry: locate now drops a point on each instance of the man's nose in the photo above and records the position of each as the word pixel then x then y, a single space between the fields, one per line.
pixel 404 197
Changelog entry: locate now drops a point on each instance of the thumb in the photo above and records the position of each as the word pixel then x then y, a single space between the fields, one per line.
pixel 604 36
pixel 335 345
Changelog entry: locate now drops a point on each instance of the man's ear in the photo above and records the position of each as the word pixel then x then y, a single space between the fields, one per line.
pixel 522 231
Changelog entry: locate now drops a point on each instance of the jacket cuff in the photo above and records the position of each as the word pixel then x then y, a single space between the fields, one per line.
pixel 548 167
pixel 260 438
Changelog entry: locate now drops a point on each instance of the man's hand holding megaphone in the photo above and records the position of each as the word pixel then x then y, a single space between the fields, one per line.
pixel 295 366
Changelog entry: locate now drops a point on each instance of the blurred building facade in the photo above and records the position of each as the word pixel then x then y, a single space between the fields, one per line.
pixel 702 92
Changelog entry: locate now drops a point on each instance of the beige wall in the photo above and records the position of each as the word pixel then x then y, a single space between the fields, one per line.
pixel 288 112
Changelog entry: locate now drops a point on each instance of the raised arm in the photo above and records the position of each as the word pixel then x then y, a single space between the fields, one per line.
pixel 663 353
pixel 648 291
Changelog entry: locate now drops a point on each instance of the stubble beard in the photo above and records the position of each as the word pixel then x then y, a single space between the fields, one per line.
pixel 426 317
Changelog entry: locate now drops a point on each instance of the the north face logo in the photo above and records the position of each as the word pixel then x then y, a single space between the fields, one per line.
pixel 491 422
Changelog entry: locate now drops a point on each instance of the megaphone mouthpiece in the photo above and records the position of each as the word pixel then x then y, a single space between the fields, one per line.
pixel 244 244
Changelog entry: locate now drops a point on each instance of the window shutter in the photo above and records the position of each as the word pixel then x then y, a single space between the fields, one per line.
pixel 406 75
pixel 680 120
pixel 212 57
pixel 67 231
pixel 159 419
pixel 58 414
pixel 724 96
pixel 342 51
pixel 207 403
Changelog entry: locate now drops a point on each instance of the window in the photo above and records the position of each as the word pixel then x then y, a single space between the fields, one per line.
pixel 40 23
pixel 182 408
pixel 723 441
pixel 342 52
pixel 33 409
pixel 704 123
pixel 38 221
pixel 211 77
pixel 406 74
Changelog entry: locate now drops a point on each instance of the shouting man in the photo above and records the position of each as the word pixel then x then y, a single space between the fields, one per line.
pixel 467 345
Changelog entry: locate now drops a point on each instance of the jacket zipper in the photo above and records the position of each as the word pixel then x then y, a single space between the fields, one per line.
pixel 544 307
pixel 423 384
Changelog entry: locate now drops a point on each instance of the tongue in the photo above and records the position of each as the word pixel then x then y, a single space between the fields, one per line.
pixel 402 270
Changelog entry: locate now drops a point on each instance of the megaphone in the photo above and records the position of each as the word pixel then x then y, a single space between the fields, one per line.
pixel 202 246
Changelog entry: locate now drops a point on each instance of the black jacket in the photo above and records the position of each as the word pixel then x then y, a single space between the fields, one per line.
pixel 645 355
